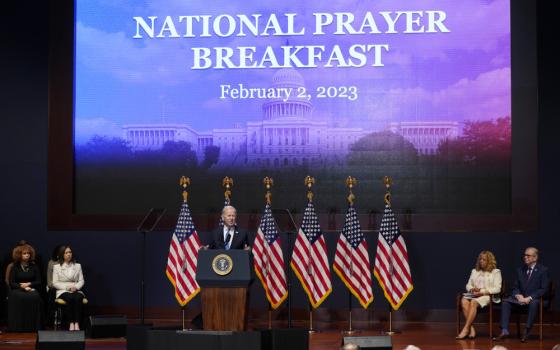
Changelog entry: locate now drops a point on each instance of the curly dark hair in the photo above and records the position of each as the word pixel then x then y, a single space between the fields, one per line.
pixel 20 249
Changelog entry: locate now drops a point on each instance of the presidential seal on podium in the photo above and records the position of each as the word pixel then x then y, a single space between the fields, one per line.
pixel 222 264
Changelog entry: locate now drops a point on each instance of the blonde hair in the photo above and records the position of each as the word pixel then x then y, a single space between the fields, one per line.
pixel 490 258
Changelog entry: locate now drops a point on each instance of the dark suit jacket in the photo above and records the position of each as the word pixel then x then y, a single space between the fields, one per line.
pixel 536 286
pixel 240 239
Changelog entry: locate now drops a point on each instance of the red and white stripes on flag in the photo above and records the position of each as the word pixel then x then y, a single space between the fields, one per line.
pixel 269 261
pixel 309 259
pixel 351 259
pixel 391 262
pixel 182 258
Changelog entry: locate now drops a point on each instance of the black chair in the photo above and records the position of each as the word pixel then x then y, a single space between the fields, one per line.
pixel 6 289
pixel 59 319
pixel 489 309
pixel 546 303
pixel 7 274
pixel 53 313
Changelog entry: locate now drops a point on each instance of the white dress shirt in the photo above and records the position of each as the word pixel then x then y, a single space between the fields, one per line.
pixel 231 231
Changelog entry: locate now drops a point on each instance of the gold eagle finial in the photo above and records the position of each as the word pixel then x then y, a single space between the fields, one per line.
pixel 309 182
pixel 184 183
pixel 388 181
pixel 227 182
pixel 350 183
pixel 268 183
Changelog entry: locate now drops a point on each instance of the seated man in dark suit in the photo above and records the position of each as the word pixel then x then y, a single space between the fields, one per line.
pixel 229 236
pixel 530 284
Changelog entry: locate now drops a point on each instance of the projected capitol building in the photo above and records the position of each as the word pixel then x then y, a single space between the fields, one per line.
pixel 286 136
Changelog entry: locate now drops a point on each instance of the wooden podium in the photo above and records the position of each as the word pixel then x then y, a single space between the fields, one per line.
pixel 224 276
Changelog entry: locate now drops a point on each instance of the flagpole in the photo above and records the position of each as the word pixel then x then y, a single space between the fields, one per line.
pixel 350 182
pixel 184 182
pixel 309 182
pixel 350 330
pixel 227 184
pixel 268 182
pixel 388 182
pixel 269 316
pixel 311 330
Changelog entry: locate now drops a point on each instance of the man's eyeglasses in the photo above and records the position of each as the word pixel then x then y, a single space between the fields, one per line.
pixel 528 255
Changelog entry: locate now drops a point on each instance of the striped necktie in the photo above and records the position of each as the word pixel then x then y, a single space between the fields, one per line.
pixel 227 242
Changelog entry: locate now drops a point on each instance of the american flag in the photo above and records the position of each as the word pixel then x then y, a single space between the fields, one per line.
pixel 269 261
pixel 183 255
pixel 391 262
pixel 351 260
pixel 309 259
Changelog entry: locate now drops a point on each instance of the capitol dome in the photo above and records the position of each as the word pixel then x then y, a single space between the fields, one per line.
pixel 297 105
pixel 287 77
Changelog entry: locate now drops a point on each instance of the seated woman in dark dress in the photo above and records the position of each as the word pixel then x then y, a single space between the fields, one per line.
pixel 24 302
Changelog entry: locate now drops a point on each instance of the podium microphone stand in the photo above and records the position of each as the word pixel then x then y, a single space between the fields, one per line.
pixel 293 229
pixel 148 224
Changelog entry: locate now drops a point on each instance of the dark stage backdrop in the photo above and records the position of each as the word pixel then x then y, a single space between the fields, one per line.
pixel 440 262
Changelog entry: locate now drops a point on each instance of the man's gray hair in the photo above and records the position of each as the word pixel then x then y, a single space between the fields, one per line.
pixel 535 250
pixel 227 207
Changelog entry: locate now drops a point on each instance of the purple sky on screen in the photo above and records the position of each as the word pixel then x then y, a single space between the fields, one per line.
pixel 463 74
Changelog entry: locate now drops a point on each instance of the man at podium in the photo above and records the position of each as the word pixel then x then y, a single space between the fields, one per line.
pixel 229 236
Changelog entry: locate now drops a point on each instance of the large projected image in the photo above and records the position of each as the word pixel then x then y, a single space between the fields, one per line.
pixel 418 90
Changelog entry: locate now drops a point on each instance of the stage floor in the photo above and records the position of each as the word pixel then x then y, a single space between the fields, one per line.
pixel 424 335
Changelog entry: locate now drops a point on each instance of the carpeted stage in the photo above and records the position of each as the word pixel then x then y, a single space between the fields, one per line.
pixel 425 335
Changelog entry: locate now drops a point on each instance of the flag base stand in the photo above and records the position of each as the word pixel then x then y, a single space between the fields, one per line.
pixel 350 330
pixel 391 331
pixel 311 330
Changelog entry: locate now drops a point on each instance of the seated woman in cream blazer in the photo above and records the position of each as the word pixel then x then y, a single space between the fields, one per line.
pixel 484 281
pixel 68 280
